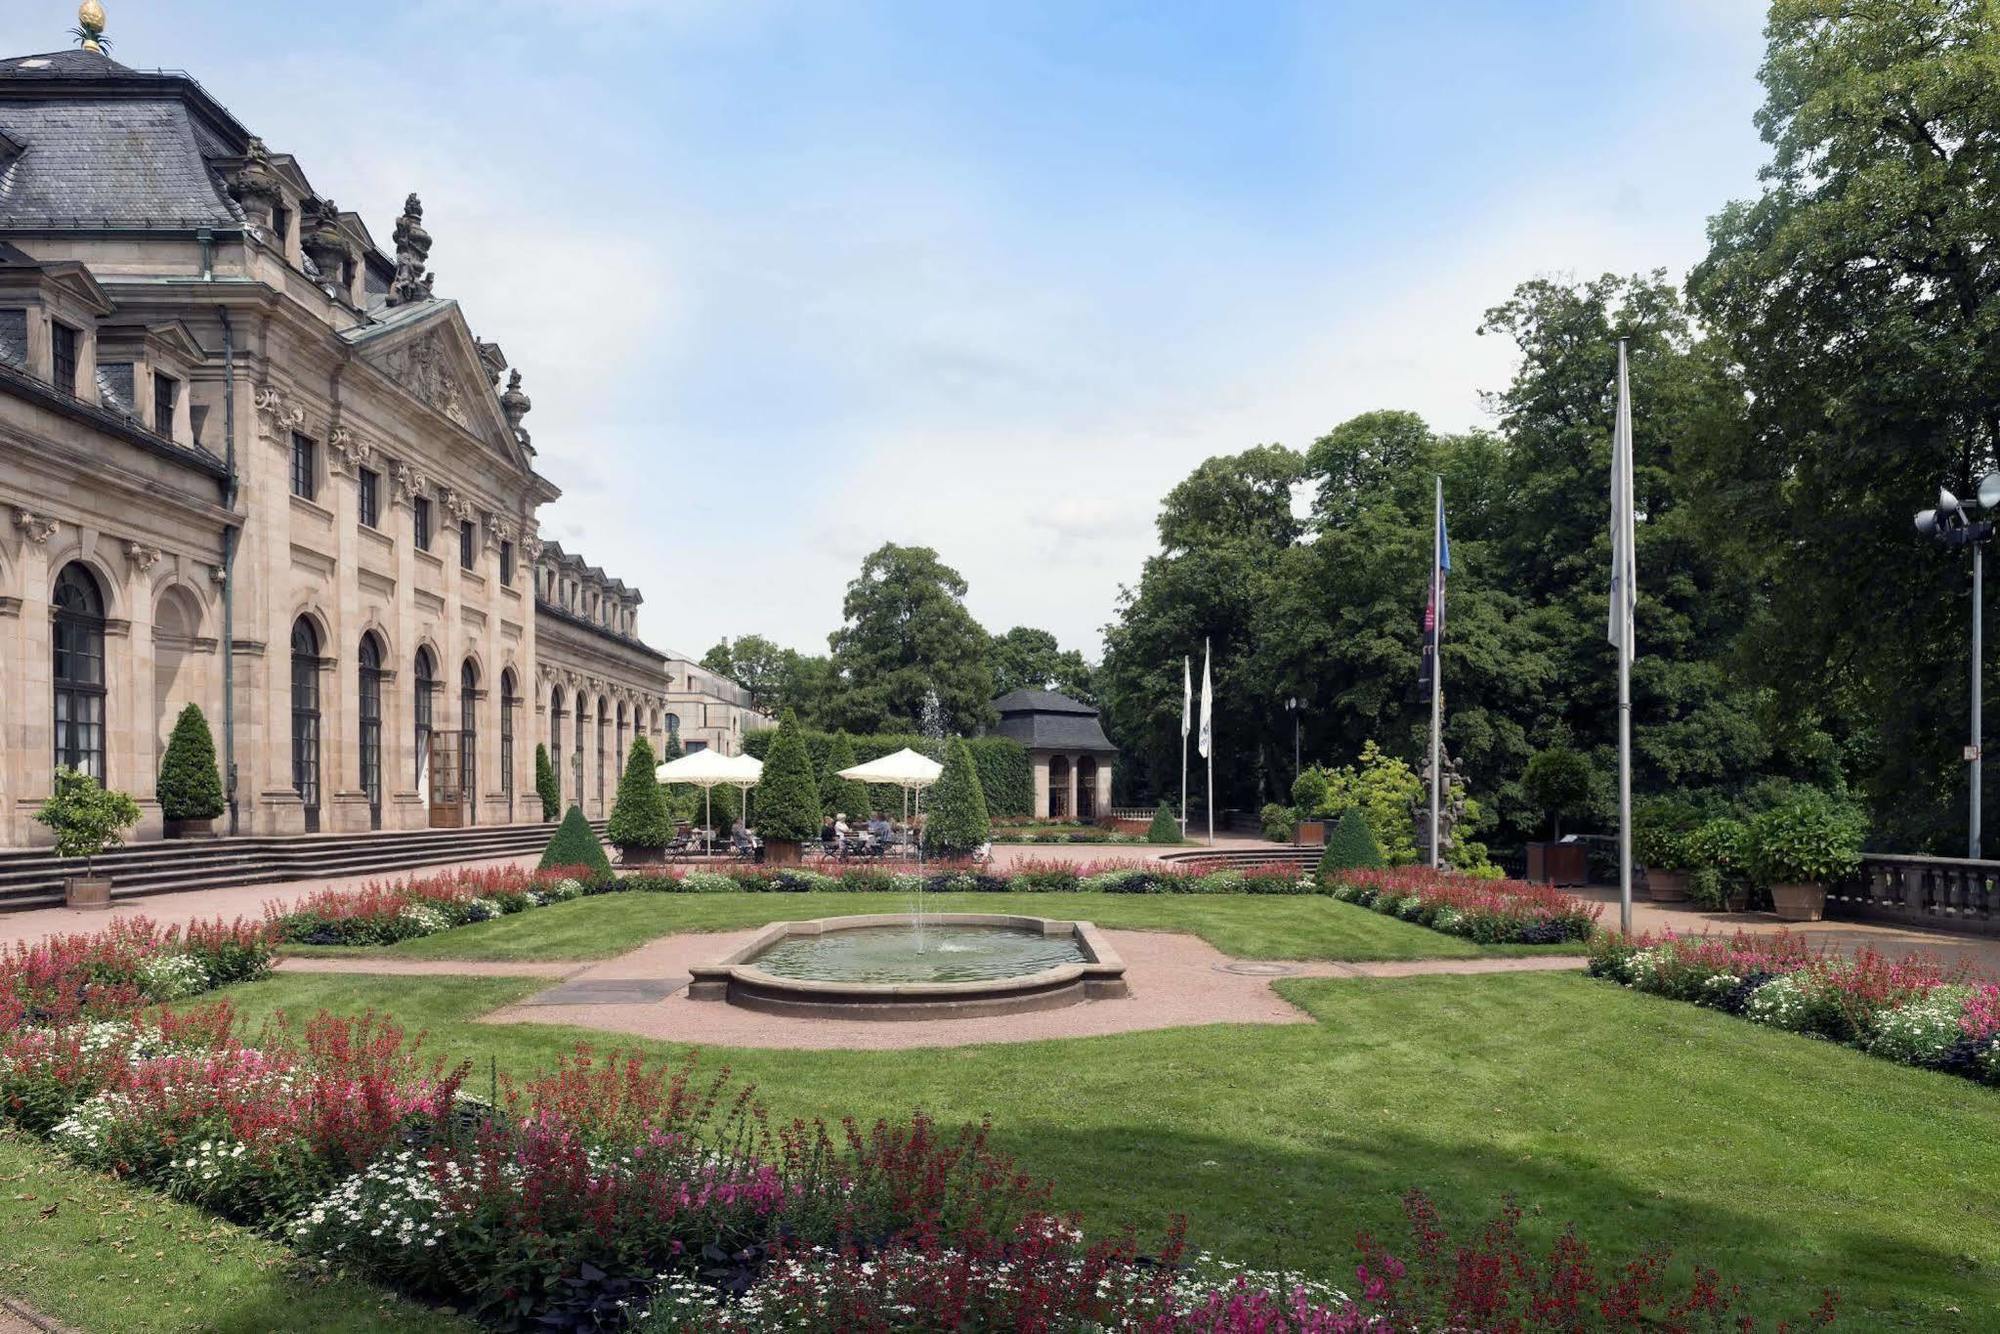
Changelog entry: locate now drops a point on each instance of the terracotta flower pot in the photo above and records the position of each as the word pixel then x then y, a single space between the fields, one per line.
pixel 1799 903
pixel 1666 886
pixel 1310 833
pixel 87 893
pixel 187 829
pixel 780 852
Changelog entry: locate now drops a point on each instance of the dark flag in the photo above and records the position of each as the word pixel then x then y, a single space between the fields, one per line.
pixel 1434 612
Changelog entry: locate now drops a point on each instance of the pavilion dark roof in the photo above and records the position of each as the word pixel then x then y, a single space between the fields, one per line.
pixel 1048 720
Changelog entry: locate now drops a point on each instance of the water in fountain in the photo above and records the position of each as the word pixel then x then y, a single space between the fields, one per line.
pixel 931 726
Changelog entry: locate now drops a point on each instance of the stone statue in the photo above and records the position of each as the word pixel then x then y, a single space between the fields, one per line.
pixel 1451 810
pixel 515 404
pixel 413 251
pixel 323 241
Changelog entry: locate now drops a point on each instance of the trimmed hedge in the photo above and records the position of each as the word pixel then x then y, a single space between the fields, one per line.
pixel 956 824
pixel 1165 828
pixel 575 845
pixel 837 795
pixel 546 786
pixel 788 795
pixel 1351 846
pixel 640 818
pixel 1005 775
pixel 190 784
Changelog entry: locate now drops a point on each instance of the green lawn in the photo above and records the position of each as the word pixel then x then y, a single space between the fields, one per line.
pixel 99 1256
pixel 1248 926
pixel 1787 1163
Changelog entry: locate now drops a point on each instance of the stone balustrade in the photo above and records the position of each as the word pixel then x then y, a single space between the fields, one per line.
pixel 1943 893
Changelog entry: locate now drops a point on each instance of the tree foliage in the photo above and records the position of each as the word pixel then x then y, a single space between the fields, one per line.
pixel 1559 782
pixel 86 818
pixel 640 817
pixel 837 795
pixel 1351 845
pixel 546 785
pixel 955 819
pixel 906 632
pixel 1165 828
pixel 1029 659
pixel 574 846
pixel 788 806
pixel 190 786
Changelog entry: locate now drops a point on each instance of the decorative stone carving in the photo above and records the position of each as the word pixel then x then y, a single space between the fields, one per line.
pixel 460 507
pixel 142 556
pixel 345 451
pixel 37 528
pixel 323 241
pixel 413 250
pixel 516 405
pixel 492 358
pixel 423 367
pixel 1451 810
pixel 277 418
pixel 256 186
pixel 410 481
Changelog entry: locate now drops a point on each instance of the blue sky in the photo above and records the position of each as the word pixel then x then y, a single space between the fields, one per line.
pixel 788 280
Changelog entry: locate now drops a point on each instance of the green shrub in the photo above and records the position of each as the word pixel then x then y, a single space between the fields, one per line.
pixel 956 823
pixel 837 795
pixel 640 818
pixel 1005 774
pixel 1165 828
pixel 1717 856
pixel 787 797
pixel 546 786
pixel 1383 787
pixel 1558 782
pixel 86 818
pixel 1280 822
pixel 190 784
pixel 1660 826
pixel 1812 837
pixel 575 845
pixel 1309 791
pixel 1350 846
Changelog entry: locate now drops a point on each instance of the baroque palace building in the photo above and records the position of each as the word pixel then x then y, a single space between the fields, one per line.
pixel 249 460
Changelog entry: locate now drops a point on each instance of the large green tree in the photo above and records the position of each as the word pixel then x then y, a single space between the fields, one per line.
pixel 906 632
pixel 758 665
pixel 1029 659
pixel 1859 297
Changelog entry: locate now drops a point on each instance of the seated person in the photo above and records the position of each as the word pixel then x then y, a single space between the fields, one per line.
pixel 880 828
pixel 840 831
pixel 826 831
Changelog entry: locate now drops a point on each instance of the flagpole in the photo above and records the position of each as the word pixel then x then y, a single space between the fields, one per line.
pixel 1627 563
pixel 1208 728
pixel 1187 703
pixel 1437 665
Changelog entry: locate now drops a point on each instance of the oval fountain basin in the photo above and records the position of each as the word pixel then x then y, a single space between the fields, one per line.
pixel 969 964
pixel 938 952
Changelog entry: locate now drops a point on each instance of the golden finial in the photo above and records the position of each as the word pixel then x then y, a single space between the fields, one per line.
pixel 90 27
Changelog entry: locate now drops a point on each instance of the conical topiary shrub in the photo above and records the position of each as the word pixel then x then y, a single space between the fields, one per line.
pixel 837 795
pixel 190 789
pixel 546 786
pixel 955 820
pixel 575 848
pixel 1351 846
pixel 1165 828
pixel 788 810
pixel 641 826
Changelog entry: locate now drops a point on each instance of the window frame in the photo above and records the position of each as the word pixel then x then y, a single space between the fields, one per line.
pixel 163 424
pixel 79 705
pixel 305 467
pixel 368 497
pixel 468 545
pixel 61 334
pixel 420 522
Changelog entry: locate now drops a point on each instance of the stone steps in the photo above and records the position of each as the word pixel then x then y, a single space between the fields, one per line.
pixel 33 877
pixel 1306 857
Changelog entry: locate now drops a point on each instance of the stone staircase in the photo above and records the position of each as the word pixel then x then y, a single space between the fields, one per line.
pixel 1238 856
pixel 33 877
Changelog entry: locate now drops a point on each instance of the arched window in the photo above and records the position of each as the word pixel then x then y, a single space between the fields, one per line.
pixel 673 730
pixel 78 669
pixel 426 685
pixel 555 739
pixel 1086 789
pixel 603 708
pixel 1059 787
pixel 576 758
pixel 370 659
pixel 468 738
pixel 619 737
pixel 305 719
pixel 507 702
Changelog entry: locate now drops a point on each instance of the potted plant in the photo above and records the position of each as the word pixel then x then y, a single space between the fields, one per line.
pixel 86 820
pixel 788 811
pixel 640 826
pixel 1660 828
pixel 1801 844
pixel 1715 852
pixel 1558 781
pixel 190 786
pixel 1309 798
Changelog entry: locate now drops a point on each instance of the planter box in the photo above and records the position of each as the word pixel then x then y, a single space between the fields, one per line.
pixel 1558 864
pixel 642 856
pixel 781 852
pixel 1310 833
pixel 187 829
pixel 87 893
pixel 1799 903
pixel 1666 886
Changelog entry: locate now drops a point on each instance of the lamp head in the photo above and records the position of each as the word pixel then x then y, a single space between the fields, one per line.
pixel 1989 490
pixel 1927 523
pixel 1947 502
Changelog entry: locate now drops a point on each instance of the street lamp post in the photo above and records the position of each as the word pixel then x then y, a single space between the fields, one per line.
pixel 1951 525
pixel 1292 707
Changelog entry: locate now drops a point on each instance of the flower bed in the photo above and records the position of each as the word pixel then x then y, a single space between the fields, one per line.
pixel 1915 1010
pixel 1492 912
pixel 384 912
pixel 59 979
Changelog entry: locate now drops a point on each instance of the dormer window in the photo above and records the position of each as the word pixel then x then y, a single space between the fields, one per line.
pixel 166 394
pixel 62 345
pixel 14 337
pixel 281 228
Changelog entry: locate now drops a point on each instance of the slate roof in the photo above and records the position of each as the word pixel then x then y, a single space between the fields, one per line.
pixel 1047 720
pixel 104 145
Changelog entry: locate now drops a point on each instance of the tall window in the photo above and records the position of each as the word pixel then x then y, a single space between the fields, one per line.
pixel 164 387
pixel 426 684
pixel 420 513
pixel 468 737
pixel 305 719
pixel 618 737
pixel 1059 787
pixel 305 481
pixel 507 564
pixel 507 702
pixel 78 640
pixel 555 740
pixel 468 544
pixel 62 339
pixel 368 494
pixel 576 757
pixel 673 730
pixel 371 727
pixel 602 708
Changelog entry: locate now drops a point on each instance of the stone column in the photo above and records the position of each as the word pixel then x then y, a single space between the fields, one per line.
pixel 30 733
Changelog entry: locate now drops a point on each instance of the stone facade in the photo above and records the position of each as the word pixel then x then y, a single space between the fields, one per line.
pixel 1071 756
pixel 238 442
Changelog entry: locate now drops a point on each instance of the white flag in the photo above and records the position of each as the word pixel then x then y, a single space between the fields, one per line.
pixel 1201 744
pixel 1187 696
pixel 1624 567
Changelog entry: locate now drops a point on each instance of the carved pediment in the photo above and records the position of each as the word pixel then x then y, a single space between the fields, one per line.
pixel 425 366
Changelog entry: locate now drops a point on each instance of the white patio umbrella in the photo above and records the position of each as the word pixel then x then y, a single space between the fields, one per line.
pixel 708 768
pixel 905 768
